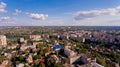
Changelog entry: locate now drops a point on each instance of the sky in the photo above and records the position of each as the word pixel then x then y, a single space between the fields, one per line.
pixel 59 12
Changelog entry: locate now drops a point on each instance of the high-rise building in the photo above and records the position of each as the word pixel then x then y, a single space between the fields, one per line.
pixel 3 41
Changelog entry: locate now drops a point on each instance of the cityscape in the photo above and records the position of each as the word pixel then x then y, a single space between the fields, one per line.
pixel 63 46
pixel 59 33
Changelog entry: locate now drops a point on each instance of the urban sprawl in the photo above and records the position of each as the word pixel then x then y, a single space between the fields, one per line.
pixel 59 46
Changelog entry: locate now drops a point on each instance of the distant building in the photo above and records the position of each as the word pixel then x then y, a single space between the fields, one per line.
pixel 20 65
pixel 84 59
pixel 3 40
pixel 35 43
pixel 74 59
pixel 64 36
pixel 56 59
pixel 23 47
pixel 11 47
pixel 83 40
pixel 29 59
pixel 94 64
pixel 4 63
pixel 22 40
pixel 114 64
pixel 91 64
pixel 35 37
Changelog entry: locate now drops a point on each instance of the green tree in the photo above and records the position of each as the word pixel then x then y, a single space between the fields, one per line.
pixel 21 58
pixel 42 65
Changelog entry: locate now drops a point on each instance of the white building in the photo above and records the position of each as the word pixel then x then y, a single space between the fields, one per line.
pixel 29 59
pixel 22 40
pixel 56 59
pixel 94 64
pixel 83 40
pixel 20 65
pixel 35 37
pixel 72 56
pixel 3 40
pixel 69 52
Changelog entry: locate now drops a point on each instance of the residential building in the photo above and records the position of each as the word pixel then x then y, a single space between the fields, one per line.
pixel 4 63
pixel 69 52
pixel 29 59
pixel 3 40
pixel 35 37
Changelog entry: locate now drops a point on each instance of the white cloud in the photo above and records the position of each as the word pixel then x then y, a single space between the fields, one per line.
pixel 93 13
pixel 17 12
pixel 2 7
pixel 37 16
pixel 4 18
pixel 7 19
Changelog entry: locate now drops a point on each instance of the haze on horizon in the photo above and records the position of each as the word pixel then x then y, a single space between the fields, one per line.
pixel 59 12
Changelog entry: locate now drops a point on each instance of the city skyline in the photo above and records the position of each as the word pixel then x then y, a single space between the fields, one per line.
pixel 59 13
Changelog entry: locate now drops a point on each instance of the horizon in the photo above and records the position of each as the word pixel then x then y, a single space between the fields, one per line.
pixel 59 13
pixel 59 26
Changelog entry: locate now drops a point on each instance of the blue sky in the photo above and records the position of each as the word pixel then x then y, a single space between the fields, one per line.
pixel 59 12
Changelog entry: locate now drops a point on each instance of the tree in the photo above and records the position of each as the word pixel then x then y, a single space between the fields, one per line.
pixel 57 53
pixel 2 58
pixel 42 65
pixel 35 57
pixel 50 62
pixel 21 58
pixel 17 62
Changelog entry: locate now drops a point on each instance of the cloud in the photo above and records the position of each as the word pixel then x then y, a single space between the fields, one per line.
pixel 7 19
pixel 93 13
pixel 17 12
pixel 37 16
pixel 2 7
pixel 114 21
pixel 4 18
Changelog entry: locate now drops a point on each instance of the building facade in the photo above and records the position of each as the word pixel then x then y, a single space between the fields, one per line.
pixel 3 40
pixel 35 37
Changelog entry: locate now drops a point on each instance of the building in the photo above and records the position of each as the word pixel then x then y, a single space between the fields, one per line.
pixel 74 59
pixel 94 64
pixel 57 47
pixel 5 63
pixel 3 40
pixel 56 59
pixel 72 56
pixel 114 64
pixel 20 65
pixel 83 40
pixel 35 37
pixel 22 40
pixel 69 52
pixel 29 59
pixel 91 64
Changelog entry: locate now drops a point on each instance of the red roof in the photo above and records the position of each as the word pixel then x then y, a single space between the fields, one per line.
pixel 32 63
pixel 41 60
